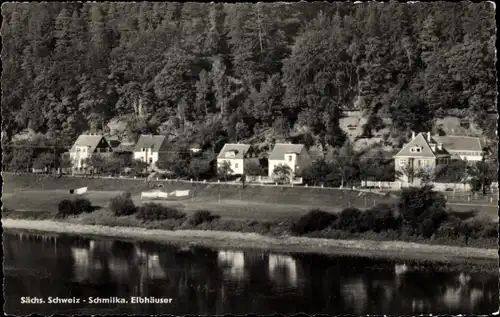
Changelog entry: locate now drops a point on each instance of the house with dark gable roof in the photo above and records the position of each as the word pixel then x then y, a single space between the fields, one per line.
pixel 149 148
pixel 295 156
pixel 235 155
pixel 87 145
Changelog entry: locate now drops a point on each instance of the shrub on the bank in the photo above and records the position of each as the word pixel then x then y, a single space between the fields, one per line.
pixel 427 228
pixel 379 218
pixel 418 204
pixel 83 205
pixel 476 230
pixel 349 220
pixel 490 230
pixel 122 205
pixel 451 228
pixel 436 215
pixel 152 212
pixel 201 216
pixel 65 208
pixel 314 220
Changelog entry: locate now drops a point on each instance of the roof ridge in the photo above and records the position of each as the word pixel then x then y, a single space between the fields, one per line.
pixel 460 136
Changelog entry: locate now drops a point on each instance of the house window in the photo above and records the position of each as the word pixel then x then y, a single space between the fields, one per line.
pixel 98 150
pixel 465 158
pixel 402 162
pixel 143 149
pixel 290 158
pixel 78 150
pixel 235 165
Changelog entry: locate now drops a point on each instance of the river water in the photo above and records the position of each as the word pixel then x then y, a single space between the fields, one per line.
pixel 206 281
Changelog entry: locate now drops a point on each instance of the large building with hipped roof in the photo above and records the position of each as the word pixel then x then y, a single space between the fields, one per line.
pixel 426 152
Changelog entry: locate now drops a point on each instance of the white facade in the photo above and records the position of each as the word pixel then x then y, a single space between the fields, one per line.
pixel 294 161
pixel 236 164
pixel 146 155
pixel 81 153
pixel 470 156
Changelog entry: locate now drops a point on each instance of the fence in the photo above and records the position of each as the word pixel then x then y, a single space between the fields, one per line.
pixel 438 186
pixel 270 180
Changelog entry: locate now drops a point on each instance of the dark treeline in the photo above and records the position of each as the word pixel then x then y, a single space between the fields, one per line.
pixel 226 72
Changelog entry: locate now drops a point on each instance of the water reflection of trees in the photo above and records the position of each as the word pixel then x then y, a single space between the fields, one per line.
pixel 422 293
pixel 205 281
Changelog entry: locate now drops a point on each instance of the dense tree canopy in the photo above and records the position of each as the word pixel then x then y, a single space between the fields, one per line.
pixel 227 71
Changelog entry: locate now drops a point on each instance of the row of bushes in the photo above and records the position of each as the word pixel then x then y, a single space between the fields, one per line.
pixel 78 206
pixel 381 220
pixel 377 219
pixel 123 205
pixel 420 212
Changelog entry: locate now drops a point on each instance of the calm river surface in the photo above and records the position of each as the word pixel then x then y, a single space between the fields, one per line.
pixel 205 281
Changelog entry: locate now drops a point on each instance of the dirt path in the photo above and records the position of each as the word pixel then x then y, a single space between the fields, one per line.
pixel 220 239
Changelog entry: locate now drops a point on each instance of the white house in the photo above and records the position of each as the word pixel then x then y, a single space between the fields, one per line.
pixel 87 145
pixel 149 147
pixel 235 154
pixel 463 147
pixel 295 156
pixel 426 151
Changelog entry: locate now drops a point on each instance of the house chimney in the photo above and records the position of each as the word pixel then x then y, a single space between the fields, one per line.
pixel 412 135
pixel 440 146
pixel 428 137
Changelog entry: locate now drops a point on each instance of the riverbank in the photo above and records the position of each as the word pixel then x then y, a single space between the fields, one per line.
pixel 42 193
pixel 234 240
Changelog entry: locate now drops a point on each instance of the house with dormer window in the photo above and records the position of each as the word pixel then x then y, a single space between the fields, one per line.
pixel 426 152
pixel 235 155
pixel 422 152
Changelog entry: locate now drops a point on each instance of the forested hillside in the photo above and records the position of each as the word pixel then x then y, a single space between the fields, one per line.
pixel 212 73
